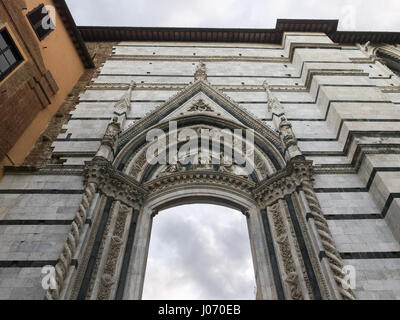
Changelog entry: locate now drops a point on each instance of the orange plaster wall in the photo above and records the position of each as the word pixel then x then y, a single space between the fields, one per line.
pixel 62 59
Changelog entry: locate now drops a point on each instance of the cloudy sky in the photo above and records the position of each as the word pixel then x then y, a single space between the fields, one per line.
pixel 370 15
pixel 199 252
pixel 203 251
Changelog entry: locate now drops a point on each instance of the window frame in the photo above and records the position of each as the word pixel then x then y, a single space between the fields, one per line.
pixel 15 50
pixel 37 25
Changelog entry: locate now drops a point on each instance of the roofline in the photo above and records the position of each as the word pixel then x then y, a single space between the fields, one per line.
pixel 329 27
pixel 74 33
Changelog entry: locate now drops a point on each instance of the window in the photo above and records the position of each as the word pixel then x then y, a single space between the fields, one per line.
pixel 36 18
pixel 10 57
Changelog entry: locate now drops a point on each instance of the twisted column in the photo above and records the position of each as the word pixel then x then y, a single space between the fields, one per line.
pixel 335 261
pixel 62 267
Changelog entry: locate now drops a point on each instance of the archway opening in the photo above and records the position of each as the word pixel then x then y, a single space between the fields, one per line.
pixel 199 252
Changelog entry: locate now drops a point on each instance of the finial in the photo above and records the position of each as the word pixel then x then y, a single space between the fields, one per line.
pixel 132 85
pixel 125 102
pixel 267 89
pixel 266 85
pixel 201 72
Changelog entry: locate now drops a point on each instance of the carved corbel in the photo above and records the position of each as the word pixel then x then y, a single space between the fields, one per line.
pixel 283 183
pixel 114 183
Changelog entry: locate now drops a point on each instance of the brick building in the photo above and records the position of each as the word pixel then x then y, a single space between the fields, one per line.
pixel 325 182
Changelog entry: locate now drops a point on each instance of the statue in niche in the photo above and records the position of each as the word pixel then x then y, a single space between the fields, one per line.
pixel 113 129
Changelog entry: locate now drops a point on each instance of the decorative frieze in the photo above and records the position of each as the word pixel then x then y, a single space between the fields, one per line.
pixel 291 275
pixel 108 277
pixel 209 177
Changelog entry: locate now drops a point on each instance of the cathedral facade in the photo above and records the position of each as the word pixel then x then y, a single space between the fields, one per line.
pixel 319 184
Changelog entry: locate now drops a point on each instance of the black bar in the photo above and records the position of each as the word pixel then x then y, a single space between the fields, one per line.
pixel 39 222
pixel 40 191
pixel 369 255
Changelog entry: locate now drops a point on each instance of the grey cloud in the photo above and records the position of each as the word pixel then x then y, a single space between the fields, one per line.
pixel 362 14
pixel 210 245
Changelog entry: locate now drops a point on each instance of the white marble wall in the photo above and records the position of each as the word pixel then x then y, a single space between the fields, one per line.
pixel 327 95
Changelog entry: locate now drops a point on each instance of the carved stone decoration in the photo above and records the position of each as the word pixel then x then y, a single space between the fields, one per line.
pixel 200 106
pixel 221 98
pixel 106 282
pixel 120 179
pixel 98 262
pixel 273 103
pixel 369 50
pixel 171 168
pixel 328 243
pixel 201 72
pixel 109 271
pixel 282 125
pixel 291 277
pixel 289 139
pixel 299 174
pixel 283 183
pixel 62 267
pixel 260 166
pixel 108 143
pixel 114 183
pixel 205 177
pixel 202 161
pixel 232 167
pixel 112 131
pixel 124 104
pixel 140 162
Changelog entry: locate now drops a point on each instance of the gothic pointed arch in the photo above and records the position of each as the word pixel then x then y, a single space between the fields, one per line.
pixel 295 255
pixel 200 105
